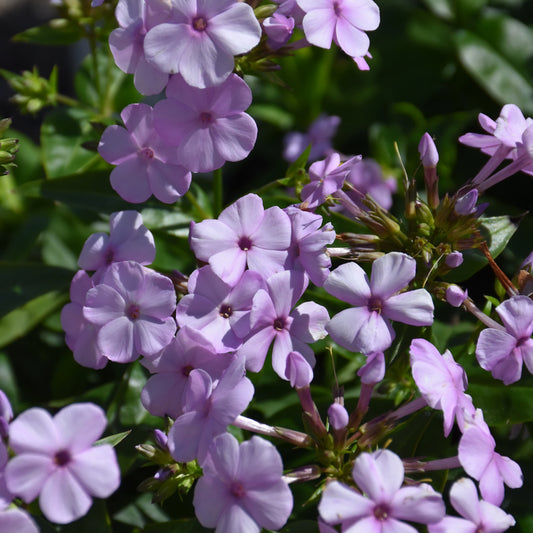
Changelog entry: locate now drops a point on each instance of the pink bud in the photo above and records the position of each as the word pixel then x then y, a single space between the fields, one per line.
pixel 298 371
pixel 455 295
pixel 454 259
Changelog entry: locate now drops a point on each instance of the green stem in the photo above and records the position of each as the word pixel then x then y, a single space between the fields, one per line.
pixel 217 192
pixel 190 196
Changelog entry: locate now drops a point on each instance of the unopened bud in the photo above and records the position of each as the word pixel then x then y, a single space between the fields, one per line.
pixel 454 259
pixel 338 416
pixel 455 296
pixel 428 151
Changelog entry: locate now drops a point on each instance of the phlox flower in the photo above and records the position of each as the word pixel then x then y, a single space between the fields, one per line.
pixel 209 407
pixel 146 164
pixel 366 327
pixel 479 459
pixel 80 334
pixel 327 177
pixel 128 240
pixel 478 515
pixel 503 352
pixel 319 136
pixel 132 307
pixel 17 521
pixel 207 126
pixel 441 382
pixel 273 319
pixel 342 21
pixel 245 234
pixel 135 18
pixel 385 504
pixel 56 460
pixel 221 312
pixel 308 244
pixel 163 394
pixel 201 38
pixel 367 177
pixel 242 489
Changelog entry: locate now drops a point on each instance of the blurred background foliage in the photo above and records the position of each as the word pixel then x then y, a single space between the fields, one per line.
pixel 436 64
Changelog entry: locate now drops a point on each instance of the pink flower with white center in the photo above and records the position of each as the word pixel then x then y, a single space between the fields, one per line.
pixel 366 327
pixel 273 319
pixel 342 21
pixel 478 515
pixel 502 352
pixel 242 489
pixel 201 38
pixel 207 126
pixel 132 307
pixel 478 458
pixel 379 475
pixel 128 240
pixel 245 234
pixel 135 18
pixel 146 164
pixel 441 382
pixel 56 460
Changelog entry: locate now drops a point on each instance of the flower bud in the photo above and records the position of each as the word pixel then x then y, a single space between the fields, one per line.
pixel 455 295
pixel 428 151
pixel 298 371
pixel 338 416
pixel 454 259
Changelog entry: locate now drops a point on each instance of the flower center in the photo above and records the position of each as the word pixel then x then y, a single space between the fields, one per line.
pixel 134 312
pixel 62 457
pixel 381 512
pixel 186 370
pixel 199 23
pixel 206 118
pixel 279 324
pixel 375 304
pixel 109 256
pixel 146 154
pixel 245 244
pixel 237 489
pixel 225 311
pixel 337 8
pixel 521 342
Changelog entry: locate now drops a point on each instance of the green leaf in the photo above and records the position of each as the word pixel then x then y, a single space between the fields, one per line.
pixel 183 526
pixel 113 439
pixel 301 526
pixel 22 282
pixel 89 190
pixel 62 134
pixel 132 411
pixel 503 405
pixel 498 232
pixel 493 72
pixel 16 324
pixel 96 519
pixel 55 32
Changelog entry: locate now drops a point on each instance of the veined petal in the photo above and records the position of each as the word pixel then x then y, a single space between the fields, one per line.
pixel 391 273
pixel 413 307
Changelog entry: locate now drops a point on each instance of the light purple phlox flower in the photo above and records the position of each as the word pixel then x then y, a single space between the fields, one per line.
pixel 209 407
pixel 201 38
pixel 478 515
pixel 308 244
pixel 342 21
pixel 56 460
pixel 379 475
pixel 80 334
pixel 478 458
pixel 242 489
pixel 14 520
pixel 502 352
pixel 441 382
pixel 273 319
pixel 207 126
pixel 128 240
pixel 189 349
pixel 135 18
pixel 146 163
pixel 367 177
pixel 245 234
pixel 221 312
pixel 366 327
pixel 319 136
pixel 132 307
